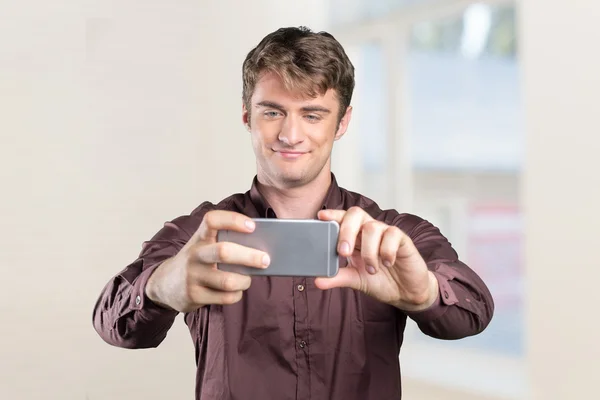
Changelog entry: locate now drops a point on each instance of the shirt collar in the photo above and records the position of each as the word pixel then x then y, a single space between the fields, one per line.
pixel 333 198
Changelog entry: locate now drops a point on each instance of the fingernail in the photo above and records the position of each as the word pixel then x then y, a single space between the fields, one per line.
pixel 387 263
pixel 345 248
pixel 266 260
pixel 250 224
pixel 371 269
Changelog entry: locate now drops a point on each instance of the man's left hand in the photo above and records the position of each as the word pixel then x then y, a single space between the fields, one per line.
pixel 383 262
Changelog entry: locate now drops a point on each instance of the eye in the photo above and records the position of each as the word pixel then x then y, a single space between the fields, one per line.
pixel 312 117
pixel 272 114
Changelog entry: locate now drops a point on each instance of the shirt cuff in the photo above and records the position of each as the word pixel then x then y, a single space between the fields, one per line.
pixel 139 300
pixel 446 297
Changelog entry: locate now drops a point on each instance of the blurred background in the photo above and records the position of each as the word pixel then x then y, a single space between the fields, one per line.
pixel 480 116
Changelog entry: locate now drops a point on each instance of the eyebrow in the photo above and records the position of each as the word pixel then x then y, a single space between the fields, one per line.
pixel 271 104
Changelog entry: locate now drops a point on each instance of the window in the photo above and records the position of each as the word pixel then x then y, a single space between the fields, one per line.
pixel 353 11
pixel 460 129
pixel 466 148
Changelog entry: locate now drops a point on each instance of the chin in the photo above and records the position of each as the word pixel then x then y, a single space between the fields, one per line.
pixel 292 178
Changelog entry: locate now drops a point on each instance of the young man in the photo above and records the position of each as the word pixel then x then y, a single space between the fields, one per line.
pixel 295 338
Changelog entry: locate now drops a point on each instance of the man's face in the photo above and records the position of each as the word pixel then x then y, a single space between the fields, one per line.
pixel 292 135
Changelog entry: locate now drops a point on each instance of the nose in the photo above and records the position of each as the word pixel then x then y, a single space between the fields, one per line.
pixel 291 132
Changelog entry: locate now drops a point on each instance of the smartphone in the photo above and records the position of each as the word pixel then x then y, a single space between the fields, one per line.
pixel 297 247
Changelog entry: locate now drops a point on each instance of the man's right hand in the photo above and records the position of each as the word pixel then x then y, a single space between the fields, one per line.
pixel 191 280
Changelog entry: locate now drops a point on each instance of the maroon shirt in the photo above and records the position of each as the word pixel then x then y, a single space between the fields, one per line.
pixel 287 339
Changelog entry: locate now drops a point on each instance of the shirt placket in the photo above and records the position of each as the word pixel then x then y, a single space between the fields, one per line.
pixel 301 332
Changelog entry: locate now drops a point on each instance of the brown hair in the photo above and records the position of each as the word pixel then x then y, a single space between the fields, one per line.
pixel 307 62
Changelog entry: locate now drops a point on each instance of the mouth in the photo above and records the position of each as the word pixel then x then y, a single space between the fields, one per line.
pixel 291 155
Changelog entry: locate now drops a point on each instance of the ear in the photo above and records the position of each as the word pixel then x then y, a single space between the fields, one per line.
pixel 245 117
pixel 344 122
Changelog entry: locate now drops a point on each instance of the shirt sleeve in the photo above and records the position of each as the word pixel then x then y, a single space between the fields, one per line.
pixel 123 315
pixel 464 306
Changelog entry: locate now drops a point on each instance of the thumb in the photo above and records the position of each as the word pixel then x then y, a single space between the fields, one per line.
pixel 346 277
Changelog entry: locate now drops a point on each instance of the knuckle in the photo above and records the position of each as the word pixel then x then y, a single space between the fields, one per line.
pixel 371 226
pixel 381 225
pixel 368 253
pixel 194 294
pixel 388 253
pixel 239 220
pixel 187 254
pixel 210 218
pixel 188 275
pixel 222 251
pixel 228 282
pixel 372 261
pixel 231 297
pixel 355 210
pixel 246 282
pixel 395 230
pixel 190 291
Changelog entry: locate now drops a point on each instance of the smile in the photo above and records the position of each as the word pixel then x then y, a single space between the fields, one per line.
pixel 290 154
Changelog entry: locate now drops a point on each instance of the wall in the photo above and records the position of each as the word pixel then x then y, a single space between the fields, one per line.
pixel 115 117
pixel 561 187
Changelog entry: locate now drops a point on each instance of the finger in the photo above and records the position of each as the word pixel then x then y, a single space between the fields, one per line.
pixel 390 243
pixel 350 225
pixel 217 220
pixel 372 233
pixel 205 295
pixel 224 281
pixel 346 277
pixel 331 215
pixel 232 253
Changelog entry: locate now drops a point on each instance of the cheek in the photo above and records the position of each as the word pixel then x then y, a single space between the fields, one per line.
pixel 265 131
pixel 263 138
pixel 326 135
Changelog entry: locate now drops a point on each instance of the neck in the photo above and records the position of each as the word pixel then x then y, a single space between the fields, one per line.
pixel 301 202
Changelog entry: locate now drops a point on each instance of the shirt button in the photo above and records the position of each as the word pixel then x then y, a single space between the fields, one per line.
pixel 302 344
pixel 446 295
pixel 300 288
pixel 138 300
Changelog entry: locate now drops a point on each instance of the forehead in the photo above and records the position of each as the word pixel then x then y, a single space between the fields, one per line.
pixel 270 87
